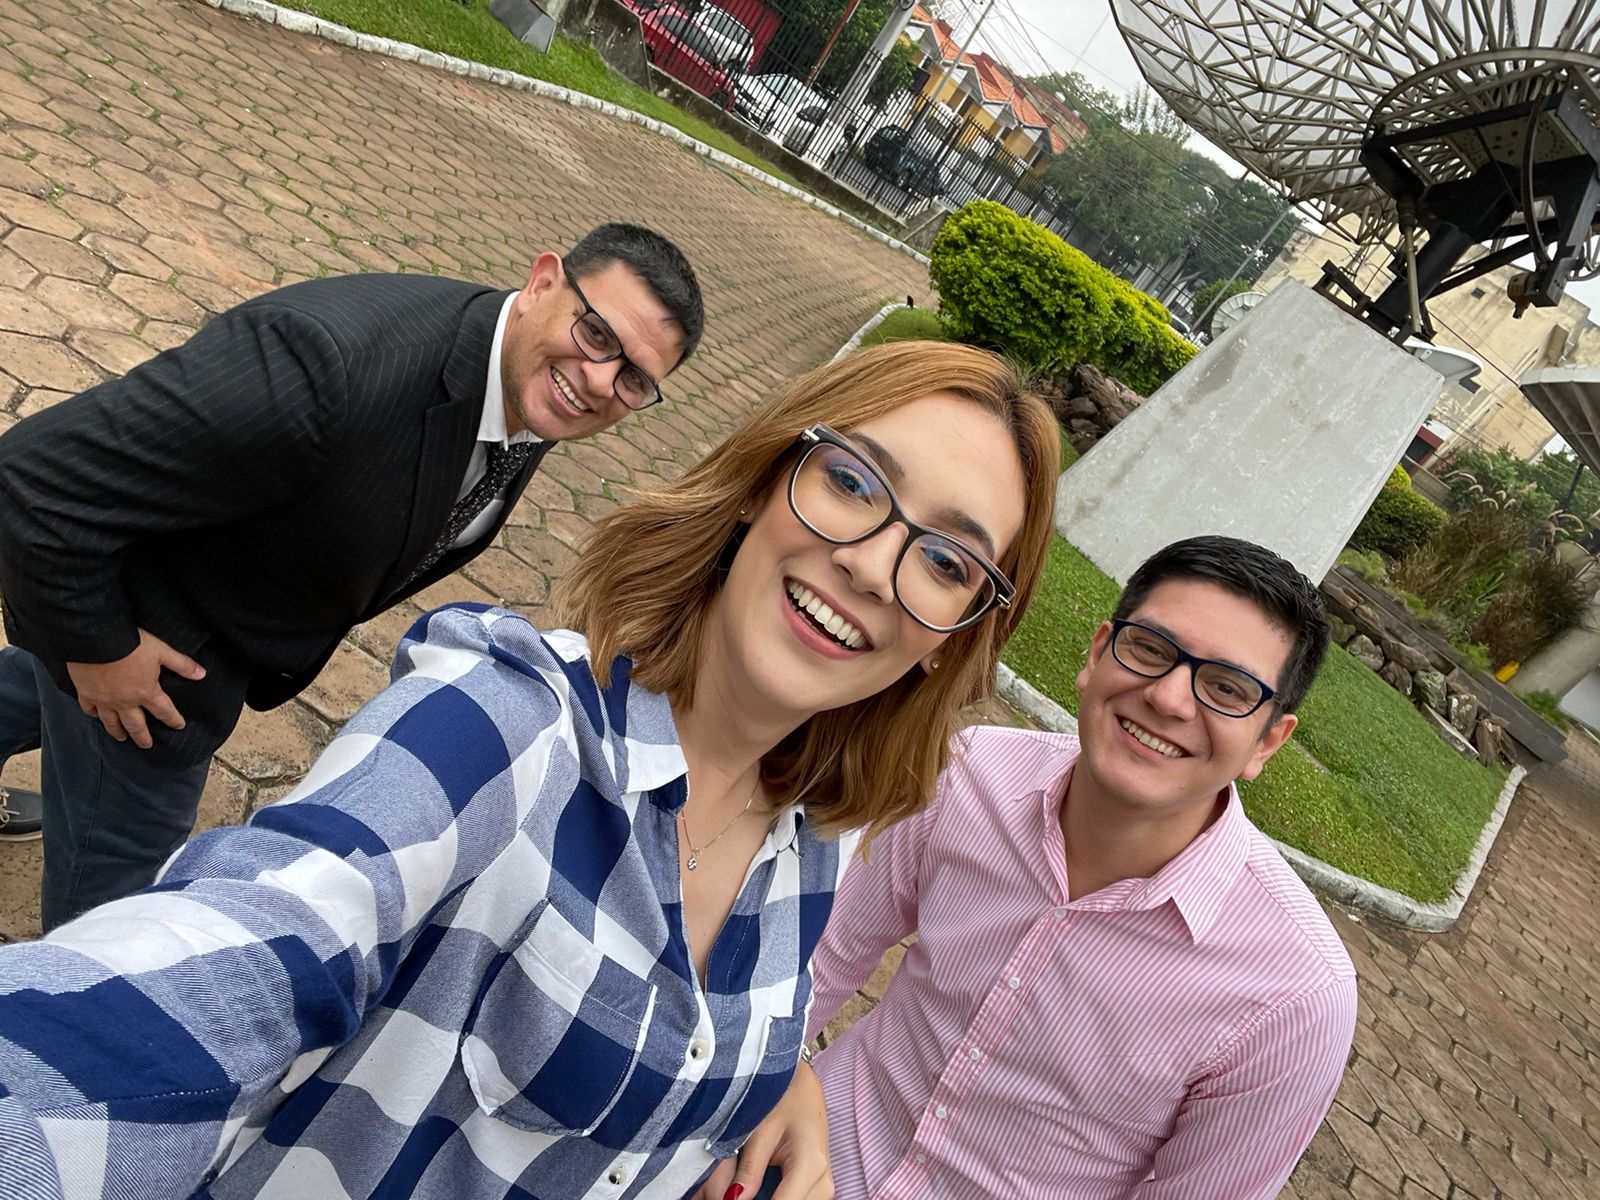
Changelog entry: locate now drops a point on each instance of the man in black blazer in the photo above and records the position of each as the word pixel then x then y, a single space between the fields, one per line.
pixel 203 532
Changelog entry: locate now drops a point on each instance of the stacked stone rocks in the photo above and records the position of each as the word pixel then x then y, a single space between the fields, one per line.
pixel 1419 671
pixel 1089 404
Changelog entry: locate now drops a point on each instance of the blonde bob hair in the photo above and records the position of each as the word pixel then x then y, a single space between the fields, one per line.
pixel 644 582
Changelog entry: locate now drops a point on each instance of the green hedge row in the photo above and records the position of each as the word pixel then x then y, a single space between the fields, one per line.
pixel 1012 285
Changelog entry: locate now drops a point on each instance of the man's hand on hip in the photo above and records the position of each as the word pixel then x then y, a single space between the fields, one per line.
pixel 121 693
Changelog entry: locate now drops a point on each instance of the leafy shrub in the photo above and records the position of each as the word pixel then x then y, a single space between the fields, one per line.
pixel 1535 491
pixel 1548 707
pixel 1538 599
pixel 1399 522
pixel 1010 284
pixel 1398 478
pixel 1458 567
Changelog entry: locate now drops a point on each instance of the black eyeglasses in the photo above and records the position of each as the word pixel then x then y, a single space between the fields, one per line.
pixel 840 496
pixel 599 343
pixel 1220 687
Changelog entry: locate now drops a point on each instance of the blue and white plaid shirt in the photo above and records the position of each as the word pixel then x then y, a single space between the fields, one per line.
pixel 452 964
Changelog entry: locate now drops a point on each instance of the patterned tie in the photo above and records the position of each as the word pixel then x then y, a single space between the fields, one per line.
pixel 502 466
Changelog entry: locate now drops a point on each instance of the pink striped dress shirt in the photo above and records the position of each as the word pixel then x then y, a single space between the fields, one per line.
pixel 1178 1037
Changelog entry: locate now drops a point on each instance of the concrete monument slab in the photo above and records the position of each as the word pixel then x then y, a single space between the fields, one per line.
pixel 1281 431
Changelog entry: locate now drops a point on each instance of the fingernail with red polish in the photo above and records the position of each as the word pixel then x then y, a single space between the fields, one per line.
pixel 734 1192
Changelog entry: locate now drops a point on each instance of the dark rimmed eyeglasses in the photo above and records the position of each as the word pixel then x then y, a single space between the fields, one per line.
pixel 593 335
pixel 1220 686
pixel 838 494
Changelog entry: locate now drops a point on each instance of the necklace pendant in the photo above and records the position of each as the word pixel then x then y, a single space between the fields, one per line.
pixel 694 861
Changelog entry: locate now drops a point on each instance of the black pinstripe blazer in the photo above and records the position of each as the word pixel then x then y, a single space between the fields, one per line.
pixel 264 487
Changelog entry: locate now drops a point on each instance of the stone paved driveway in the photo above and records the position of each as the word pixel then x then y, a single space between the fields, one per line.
pixel 160 161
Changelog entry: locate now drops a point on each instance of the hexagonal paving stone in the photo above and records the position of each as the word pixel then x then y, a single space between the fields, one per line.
pixel 27 312
pixel 38 362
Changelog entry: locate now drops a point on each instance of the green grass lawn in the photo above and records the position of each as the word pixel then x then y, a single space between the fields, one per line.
pixel 471 32
pixel 907 324
pixel 1365 784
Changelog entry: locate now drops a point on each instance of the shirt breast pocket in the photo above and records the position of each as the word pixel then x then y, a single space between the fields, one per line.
pixel 555 1031
pixel 780 1051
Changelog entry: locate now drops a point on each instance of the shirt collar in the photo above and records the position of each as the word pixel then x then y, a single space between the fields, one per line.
pixel 1199 880
pixel 492 425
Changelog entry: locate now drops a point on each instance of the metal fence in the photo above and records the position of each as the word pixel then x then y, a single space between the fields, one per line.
pixel 912 157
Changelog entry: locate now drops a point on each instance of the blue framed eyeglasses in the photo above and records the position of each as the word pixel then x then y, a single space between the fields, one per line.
pixel 1219 686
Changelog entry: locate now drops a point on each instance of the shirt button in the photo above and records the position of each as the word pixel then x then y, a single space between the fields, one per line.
pixel 974 1054
pixel 1014 983
pixel 697 1050
pixel 941 1112
pixel 1059 913
pixel 617 1176
pixel 921 1157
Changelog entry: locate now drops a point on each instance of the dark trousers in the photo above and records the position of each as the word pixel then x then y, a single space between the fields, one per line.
pixel 113 813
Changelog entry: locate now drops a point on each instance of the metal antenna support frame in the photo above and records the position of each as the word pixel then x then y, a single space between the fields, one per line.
pixel 1355 109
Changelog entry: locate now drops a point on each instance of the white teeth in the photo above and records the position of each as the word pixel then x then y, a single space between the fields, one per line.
pixel 1151 740
pixel 565 389
pixel 810 603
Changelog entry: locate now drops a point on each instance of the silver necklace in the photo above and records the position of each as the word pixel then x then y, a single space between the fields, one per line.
pixel 696 851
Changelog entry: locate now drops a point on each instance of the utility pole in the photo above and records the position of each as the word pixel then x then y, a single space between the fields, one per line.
pixel 1200 318
pixel 844 110
pixel 944 76
pixel 833 38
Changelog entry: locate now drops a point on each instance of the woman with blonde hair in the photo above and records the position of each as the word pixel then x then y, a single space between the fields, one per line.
pixel 538 922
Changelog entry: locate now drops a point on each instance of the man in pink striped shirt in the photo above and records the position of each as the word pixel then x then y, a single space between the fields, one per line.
pixel 1118 989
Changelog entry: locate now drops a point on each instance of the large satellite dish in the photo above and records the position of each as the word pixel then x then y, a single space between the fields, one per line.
pixel 1476 121
pixel 1232 310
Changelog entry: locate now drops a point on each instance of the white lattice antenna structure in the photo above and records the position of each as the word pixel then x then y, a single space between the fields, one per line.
pixel 1292 89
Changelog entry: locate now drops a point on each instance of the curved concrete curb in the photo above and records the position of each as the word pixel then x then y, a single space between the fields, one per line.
pixel 299 22
pixel 1020 694
pixel 860 335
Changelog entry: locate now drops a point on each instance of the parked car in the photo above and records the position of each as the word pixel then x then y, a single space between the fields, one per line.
pixel 676 43
pixel 912 166
pixel 732 42
pixel 774 104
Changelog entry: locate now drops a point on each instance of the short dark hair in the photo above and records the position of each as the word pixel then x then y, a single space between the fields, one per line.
pixel 1255 573
pixel 662 266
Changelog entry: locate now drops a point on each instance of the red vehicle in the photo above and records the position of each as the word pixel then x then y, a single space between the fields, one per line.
pixel 681 46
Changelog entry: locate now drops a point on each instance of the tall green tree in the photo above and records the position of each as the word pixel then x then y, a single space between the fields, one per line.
pixel 803 36
pixel 1134 178
pixel 1125 180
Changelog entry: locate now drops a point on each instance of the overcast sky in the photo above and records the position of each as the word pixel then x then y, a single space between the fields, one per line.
pixel 1034 36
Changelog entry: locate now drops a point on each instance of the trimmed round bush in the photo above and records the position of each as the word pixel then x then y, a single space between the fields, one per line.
pixel 1400 520
pixel 1013 286
pixel 1008 283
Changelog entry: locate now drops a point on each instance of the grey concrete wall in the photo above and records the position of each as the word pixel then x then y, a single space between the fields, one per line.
pixel 1281 431
pixel 527 21
pixel 611 28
